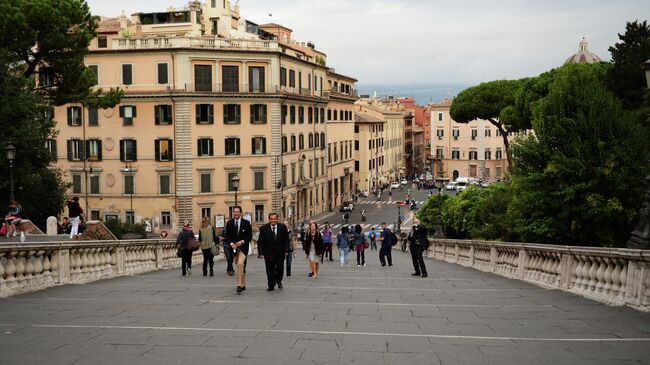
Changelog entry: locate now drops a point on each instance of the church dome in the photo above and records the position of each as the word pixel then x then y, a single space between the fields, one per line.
pixel 583 55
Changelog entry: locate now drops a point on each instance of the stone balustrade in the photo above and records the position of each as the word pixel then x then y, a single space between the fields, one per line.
pixel 609 275
pixel 29 267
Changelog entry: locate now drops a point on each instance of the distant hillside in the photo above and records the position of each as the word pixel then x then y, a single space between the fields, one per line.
pixel 423 94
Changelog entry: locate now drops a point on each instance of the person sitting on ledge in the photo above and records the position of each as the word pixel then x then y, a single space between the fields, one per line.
pixel 13 218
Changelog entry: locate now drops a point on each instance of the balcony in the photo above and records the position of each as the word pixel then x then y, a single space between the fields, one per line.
pixel 231 89
pixel 193 42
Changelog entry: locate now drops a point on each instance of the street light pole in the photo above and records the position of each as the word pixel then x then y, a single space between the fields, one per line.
pixel 10 153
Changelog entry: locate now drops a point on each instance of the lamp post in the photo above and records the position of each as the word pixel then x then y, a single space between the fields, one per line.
pixel 10 153
pixel 130 171
pixel 641 235
pixel 235 185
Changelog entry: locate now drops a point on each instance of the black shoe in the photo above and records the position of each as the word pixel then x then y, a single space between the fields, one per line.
pixel 288 274
pixel 311 274
pixel 243 288
pixel 280 286
pixel 211 273
pixel 270 289
pixel 424 275
pixel 416 274
pixel 390 264
pixel 231 273
pixel 205 274
pixel 239 290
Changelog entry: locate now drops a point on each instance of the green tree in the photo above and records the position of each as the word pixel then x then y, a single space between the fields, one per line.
pixel 488 101
pixel 578 178
pixel 627 77
pixel 428 212
pixel 478 213
pixel 48 39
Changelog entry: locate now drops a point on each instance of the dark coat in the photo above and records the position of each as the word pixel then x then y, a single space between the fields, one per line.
pixel 317 242
pixel 418 236
pixel 245 233
pixel 184 237
pixel 271 247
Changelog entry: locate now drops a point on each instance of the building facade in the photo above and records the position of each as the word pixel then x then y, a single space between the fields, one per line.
pixel 466 149
pixel 209 98
pixel 391 140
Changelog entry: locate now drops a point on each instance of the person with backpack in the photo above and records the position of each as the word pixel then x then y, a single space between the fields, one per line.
pixel 185 242
pixel 327 241
pixel 419 243
pixel 343 243
pixel 388 240
pixel 360 245
pixel 372 237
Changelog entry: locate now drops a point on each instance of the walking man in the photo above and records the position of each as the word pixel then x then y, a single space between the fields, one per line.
pixel 386 240
pixel 419 243
pixel 292 247
pixel 238 236
pixel 274 245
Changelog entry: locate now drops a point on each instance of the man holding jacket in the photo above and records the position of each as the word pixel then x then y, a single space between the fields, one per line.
pixel 238 236
pixel 273 244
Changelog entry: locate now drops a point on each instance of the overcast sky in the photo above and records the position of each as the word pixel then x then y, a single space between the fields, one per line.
pixel 435 42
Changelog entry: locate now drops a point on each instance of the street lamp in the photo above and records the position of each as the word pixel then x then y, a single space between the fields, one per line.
pixel 130 171
pixel 641 235
pixel 10 153
pixel 235 185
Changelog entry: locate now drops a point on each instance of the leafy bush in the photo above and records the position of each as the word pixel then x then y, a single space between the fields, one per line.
pixel 428 212
pixel 478 213
pixel 119 228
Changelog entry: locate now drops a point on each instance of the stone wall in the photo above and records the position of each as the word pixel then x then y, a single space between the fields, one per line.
pixel 608 275
pixel 30 267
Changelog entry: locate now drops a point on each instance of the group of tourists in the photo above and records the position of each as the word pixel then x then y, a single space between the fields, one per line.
pixel 277 244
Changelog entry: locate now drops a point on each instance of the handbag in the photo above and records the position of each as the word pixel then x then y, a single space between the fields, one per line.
pixel 215 249
pixel 179 252
pixel 365 244
pixel 192 245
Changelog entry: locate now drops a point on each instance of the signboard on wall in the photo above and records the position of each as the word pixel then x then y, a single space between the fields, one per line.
pixel 219 221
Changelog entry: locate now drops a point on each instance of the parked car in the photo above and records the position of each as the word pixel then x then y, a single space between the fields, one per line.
pixel 347 206
pixel 451 185
pixel 461 186
pixel 395 185
pixel 404 181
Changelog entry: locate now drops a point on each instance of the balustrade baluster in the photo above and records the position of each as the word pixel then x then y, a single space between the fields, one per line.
pixel 20 269
pixel 600 275
pixel 607 276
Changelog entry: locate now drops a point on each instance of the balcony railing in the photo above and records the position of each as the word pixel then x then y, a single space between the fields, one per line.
pixel 193 42
pixel 231 88
pixel 608 275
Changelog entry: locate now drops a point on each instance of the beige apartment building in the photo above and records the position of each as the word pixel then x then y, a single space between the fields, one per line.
pixel 472 149
pixel 369 147
pixel 391 141
pixel 209 98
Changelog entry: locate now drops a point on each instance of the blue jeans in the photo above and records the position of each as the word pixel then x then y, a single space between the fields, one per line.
pixel 373 245
pixel 344 255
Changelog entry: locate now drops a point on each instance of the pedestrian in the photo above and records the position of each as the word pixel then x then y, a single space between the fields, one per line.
pixel 13 217
pixel 74 211
pixel 386 239
pixel 360 245
pixel 274 245
pixel 327 241
pixel 227 251
pixel 372 237
pixel 64 227
pixel 292 247
pixel 419 243
pixel 207 238
pixel 314 248
pixel 238 236
pixel 184 241
pixel 343 243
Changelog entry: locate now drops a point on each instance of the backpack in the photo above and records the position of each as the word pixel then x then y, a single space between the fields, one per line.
pixel 393 239
pixel 372 235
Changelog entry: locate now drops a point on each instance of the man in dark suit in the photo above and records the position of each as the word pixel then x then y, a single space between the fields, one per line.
pixel 419 243
pixel 274 245
pixel 238 236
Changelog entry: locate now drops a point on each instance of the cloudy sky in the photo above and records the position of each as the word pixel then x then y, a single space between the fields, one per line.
pixel 433 42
